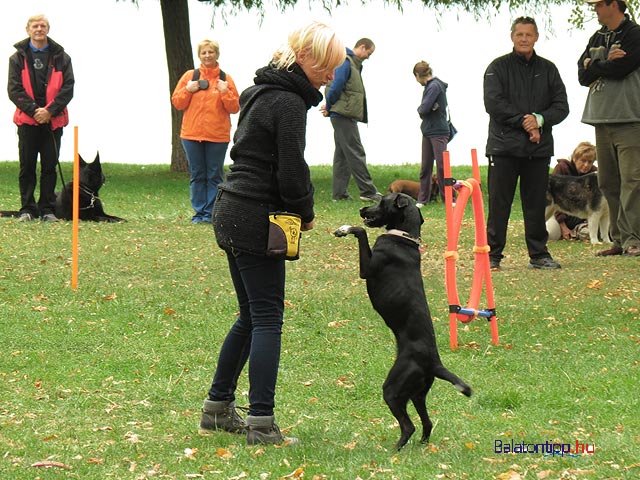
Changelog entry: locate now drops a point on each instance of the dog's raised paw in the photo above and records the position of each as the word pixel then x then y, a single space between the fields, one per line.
pixel 342 231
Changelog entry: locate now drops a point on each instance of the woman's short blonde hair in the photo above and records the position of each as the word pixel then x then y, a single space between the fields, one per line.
pixel 584 149
pixel 315 39
pixel 209 43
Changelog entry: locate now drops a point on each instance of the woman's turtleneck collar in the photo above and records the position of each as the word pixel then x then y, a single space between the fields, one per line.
pixel 213 69
pixel 293 79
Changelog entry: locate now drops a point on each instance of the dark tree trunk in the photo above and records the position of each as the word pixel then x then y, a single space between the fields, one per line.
pixel 177 41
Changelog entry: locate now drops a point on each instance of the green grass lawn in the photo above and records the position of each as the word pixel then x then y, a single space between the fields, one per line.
pixel 107 381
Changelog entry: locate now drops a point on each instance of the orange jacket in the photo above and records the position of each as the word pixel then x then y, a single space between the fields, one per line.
pixel 206 112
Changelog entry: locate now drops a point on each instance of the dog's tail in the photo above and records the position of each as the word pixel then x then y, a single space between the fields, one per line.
pixel 442 373
pixel 9 213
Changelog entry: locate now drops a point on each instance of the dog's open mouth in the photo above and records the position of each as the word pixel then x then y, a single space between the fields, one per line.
pixel 372 216
pixel 373 222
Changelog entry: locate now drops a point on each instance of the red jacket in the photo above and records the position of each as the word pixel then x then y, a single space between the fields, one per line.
pixel 59 86
pixel 206 112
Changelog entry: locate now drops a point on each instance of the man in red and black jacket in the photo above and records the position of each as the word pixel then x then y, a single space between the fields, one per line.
pixel 40 85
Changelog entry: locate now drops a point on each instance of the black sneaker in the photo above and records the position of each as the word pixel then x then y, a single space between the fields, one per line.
pixel 25 217
pixel 494 264
pixel 346 197
pixel 545 263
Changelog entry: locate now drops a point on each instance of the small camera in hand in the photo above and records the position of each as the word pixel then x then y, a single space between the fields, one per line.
pixel 203 84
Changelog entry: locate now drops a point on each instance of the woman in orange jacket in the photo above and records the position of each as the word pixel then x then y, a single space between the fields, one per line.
pixel 208 97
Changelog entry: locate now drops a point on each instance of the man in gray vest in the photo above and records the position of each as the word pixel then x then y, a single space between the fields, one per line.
pixel 610 67
pixel 346 106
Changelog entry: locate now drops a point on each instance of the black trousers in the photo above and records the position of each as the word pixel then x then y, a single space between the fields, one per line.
pixel 34 140
pixel 503 176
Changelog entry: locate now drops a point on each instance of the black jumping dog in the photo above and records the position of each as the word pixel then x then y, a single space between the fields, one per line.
pixel 396 291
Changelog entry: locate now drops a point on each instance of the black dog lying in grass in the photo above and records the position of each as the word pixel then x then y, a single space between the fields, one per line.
pixel 90 205
pixel 91 180
pixel 394 284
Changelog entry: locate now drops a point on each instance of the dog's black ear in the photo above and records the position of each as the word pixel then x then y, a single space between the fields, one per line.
pixel 97 159
pixel 402 201
pixel 82 162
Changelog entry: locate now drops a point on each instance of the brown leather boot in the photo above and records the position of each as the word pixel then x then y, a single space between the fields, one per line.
pixel 221 415
pixel 264 430
pixel 614 250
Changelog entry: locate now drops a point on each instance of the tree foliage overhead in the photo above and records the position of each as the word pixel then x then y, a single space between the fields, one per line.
pixel 472 6
pixel 478 8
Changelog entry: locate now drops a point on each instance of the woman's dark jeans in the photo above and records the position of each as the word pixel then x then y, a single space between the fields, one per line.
pixel 259 282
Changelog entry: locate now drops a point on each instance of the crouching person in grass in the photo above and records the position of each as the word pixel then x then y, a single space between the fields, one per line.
pixel 562 226
pixel 269 174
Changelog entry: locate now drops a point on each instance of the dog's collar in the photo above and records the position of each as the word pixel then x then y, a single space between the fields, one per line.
pixel 93 196
pixel 403 234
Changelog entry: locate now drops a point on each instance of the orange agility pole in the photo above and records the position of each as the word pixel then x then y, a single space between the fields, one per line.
pixel 482 271
pixel 75 211
pixel 475 168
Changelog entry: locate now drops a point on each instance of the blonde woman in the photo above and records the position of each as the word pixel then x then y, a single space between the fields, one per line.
pixel 208 97
pixel 269 173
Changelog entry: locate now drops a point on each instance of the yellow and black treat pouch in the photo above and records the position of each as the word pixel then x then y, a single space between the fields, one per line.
pixel 284 235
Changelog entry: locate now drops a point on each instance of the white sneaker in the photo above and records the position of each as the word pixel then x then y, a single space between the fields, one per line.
pixel 25 217
pixel 375 198
pixel 49 217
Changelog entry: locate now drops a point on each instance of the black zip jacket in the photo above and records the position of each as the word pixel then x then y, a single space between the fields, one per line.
pixel 513 88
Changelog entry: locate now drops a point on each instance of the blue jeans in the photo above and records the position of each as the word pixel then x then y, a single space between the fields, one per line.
pixel 256 334
pixel 206 163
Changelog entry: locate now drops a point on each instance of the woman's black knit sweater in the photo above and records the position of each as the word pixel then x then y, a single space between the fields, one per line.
pixel 269 172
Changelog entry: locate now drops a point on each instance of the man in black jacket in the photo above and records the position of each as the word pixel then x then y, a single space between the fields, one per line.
pixel 40 85
pixel 524 97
